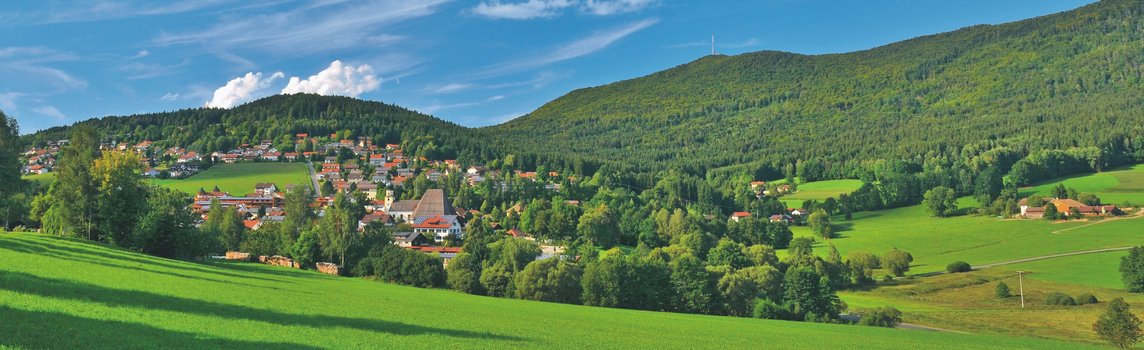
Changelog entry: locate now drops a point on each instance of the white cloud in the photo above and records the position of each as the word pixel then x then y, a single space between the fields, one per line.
pixel 169 97
pixel 450 88
pixel 242 89
pixel 140 54
pixel 338 79
pixel 614 7
pixel 522 10
pixel 496 98
pixel 50 111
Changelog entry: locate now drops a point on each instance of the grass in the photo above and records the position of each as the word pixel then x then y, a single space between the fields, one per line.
pixel 1113 187
pixel 966 301
pixel 239 179
pixel 42 179
pixel 1101 270
pixel 71 294
pixel 820 190
pixel 936 242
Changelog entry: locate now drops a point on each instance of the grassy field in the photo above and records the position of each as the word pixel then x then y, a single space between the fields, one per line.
pixel 1113 187
pixel 239 179
pixel 1100 270
pixel 43 179
pixel 936 242
pixel 820 190
pixel 966 302
pixel 70 294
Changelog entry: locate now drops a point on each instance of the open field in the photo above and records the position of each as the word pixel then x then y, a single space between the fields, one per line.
pixel 125 300
pixel 239 179
pixel 1101 270
pixel 820 190
pixel 936 242
pixel 966 302
pixel 43 179
pixel 1113 187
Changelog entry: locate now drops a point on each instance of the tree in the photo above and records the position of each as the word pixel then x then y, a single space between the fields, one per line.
pixel 338 229
pixel 728 253
pixel 941 201
pixel 1002 290
pixel 1060 192
pixel 888 317
pixel 1117 325
pixel 819 222
pixel 122 194
pixel 599 226
pixel 897 261
pixel 738 293
pixel 75 193
pixel 863 265
pixel 1132 270
pixel 693 290
pixel 1051 212
pixel 231 231
pixel 167 228
pixel 464 274
pixel 958 266
pixel 9 159
pixel 808 295
pixel 551 280
pixel 497 280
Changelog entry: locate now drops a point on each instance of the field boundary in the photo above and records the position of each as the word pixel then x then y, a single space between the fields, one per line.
pixel 1053 256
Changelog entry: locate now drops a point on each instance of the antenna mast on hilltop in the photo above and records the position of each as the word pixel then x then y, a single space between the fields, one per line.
pixel 712 44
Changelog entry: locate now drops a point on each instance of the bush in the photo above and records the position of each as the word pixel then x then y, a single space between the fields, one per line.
pixel 958 266
pixel 888 317
pixel 1058 298
pixel 1086 299
pixel 887 278
pixel 767 309
pixel 1002 290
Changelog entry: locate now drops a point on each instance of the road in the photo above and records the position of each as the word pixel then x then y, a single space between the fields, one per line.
pixel 313 178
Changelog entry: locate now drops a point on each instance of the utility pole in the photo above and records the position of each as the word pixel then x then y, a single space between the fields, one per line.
pixel 1021 283
pixel 712 44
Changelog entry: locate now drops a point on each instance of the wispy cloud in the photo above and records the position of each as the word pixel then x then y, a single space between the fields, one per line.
pixel 435 107
pixel 688 45
pixel 521 10
pixel 169 97
pixel 613 7
pixel 101 10
pixel 495 98
pixel 533 9
pixel 142 70
pixel 449 88
pixel 742 44
pixel 323 27
pixel 578 48
pixel 31 66
pixel 50 111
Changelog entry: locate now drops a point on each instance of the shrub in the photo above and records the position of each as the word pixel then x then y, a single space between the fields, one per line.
pixel 1002 290
pixel 958 266
pixel 888 317
pixel 887 278
pixel 1058 298
pixel 1086 299
pixel 767 309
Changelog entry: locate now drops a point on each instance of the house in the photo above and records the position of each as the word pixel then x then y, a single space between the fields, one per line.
pixel 370 189
pixel 265 189
pixel 230 158
pixel 799 212
pixel 781 218
pixel 739 215
pixel 152 172
pixel 291 156
pixel 517 233
pixel 376 159
pixel 432 203
pixel 755 185
pixel 252 225
pixel 446 253
pixel 376 216
pixel 408 239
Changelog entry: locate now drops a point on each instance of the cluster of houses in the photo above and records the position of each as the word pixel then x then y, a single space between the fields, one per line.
pixel 789 217
pixel 1066 207
pixel 41 160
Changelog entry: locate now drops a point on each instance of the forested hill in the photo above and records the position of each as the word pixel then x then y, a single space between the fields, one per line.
pixel 279 118
pixel 1072 79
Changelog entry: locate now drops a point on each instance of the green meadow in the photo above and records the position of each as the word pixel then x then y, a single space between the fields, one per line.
pixel 69 294
pixel 42 179
pixel 936 242
pixel 1113 187
pixel 820 190
pixel 1101 270
pixel 240 178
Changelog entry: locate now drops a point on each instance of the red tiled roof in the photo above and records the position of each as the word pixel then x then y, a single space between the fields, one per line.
pixel 740 214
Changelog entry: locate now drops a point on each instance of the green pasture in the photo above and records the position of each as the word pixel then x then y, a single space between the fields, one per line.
pixel 820 190
pixel 42 179
pixel 1101 270
pixel 1113 187
pixel 239 179
pixel 60 293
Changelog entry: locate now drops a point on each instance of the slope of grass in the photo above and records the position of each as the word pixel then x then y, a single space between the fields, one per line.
pixel 70 294
pixel 936 242
pixel 42 179
pixel 239 179
pixel 820 190
pixel 1100 270
pixel 1113 187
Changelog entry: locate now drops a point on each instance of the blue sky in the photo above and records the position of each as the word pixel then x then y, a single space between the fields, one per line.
pixel 476 63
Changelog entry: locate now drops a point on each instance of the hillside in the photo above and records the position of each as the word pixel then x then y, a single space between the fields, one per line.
pixel 125 300
pixel 1071 79
pixel 278 118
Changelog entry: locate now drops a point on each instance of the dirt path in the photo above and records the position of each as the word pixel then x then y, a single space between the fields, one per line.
pixel 313 179
pixel 1044 257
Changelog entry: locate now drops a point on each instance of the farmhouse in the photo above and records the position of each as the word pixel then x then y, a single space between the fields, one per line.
pixel 739 215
